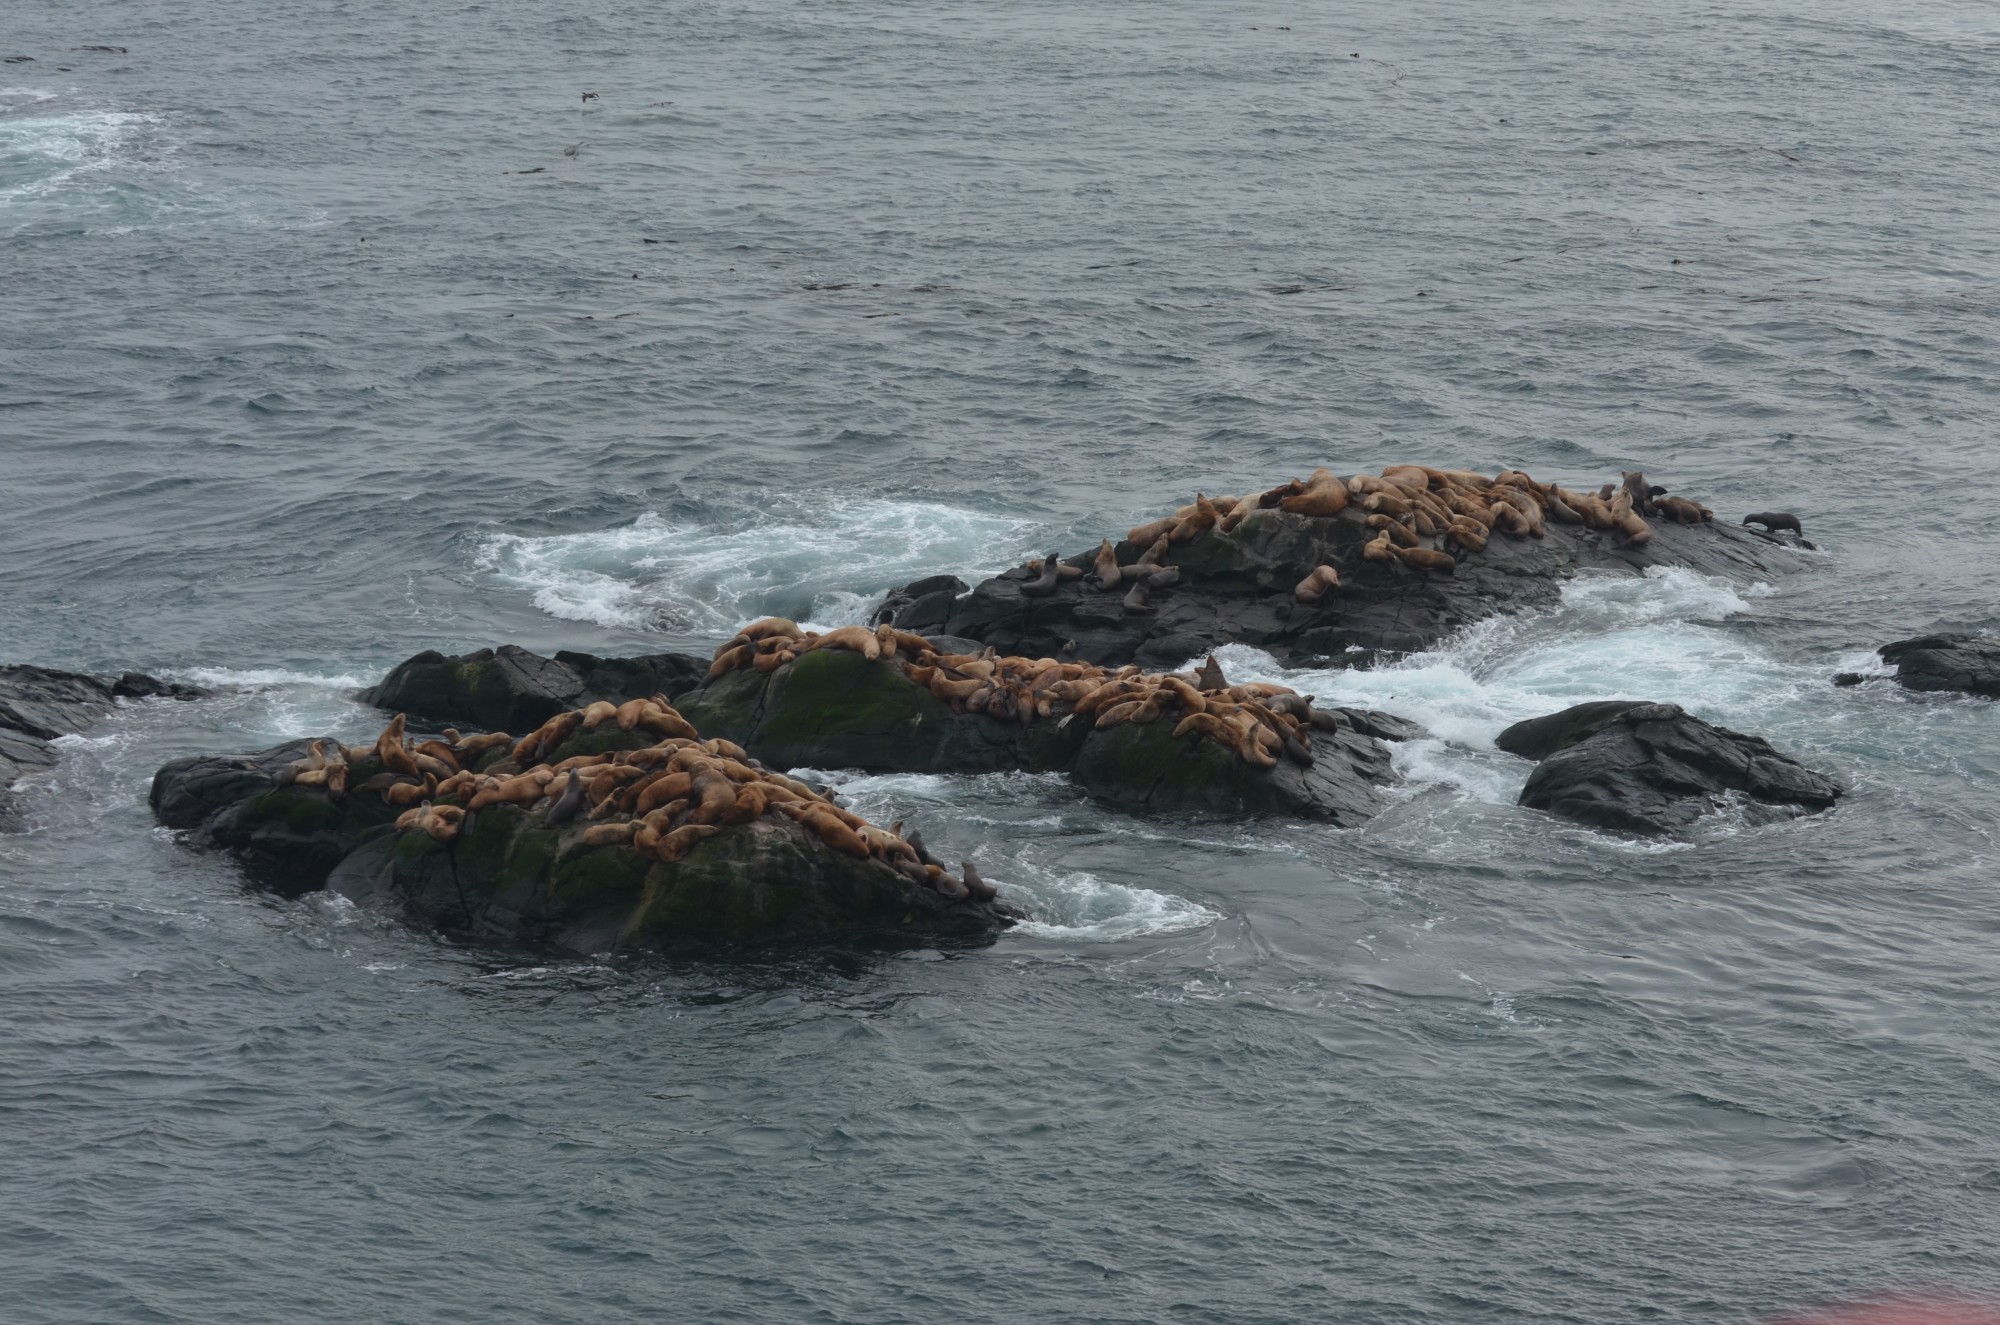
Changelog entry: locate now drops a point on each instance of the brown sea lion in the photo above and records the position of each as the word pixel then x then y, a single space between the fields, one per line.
pixel 1379 548
pixel 979 889
pixel 1323 580
pixel 1401 533
pixel 1322 495
pixel 1106 566
pixel 1135 603
pixel 1641 494
pixel 1682 511
pixel 1426 559
pixel 1144 534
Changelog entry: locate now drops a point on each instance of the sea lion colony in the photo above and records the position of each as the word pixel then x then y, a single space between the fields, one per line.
pixel 1425 519
pixel 661 800
pixel 1260 722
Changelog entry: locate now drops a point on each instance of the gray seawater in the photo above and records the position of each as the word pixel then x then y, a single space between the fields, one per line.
pixel 296 379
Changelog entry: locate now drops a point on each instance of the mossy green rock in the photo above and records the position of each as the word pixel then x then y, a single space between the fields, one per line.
pixel 508 878
pixel 834 708
pixel 1143 766
pixel 512 689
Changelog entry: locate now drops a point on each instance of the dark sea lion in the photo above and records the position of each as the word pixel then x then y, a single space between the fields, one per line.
pixel 569 802
pixel 1162 579
pixel 1135 601
pixel 1775 520
pixel 1210 676
pixel 1050 577
pixel 980 889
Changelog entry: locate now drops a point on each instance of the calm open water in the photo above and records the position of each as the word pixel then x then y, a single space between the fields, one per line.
pixel 300 373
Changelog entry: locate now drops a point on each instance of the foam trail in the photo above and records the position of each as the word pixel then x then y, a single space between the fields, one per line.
pixel 1654 637
pixel 1065 904
pixel 830 563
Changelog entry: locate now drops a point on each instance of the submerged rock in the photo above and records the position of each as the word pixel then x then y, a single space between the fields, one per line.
pixel 1957 662
pixel 40 704
pixel 511 856
pixel 1652 769
pixel 511 689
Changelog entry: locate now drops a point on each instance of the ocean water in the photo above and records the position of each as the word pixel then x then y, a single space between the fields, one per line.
pixel 333 332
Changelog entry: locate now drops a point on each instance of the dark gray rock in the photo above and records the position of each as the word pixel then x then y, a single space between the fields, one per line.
pixel 1654 770
pixel 511 877
pixel 511 689
pixel 40 704
pixel 1236 587
pixel 1966 663
pixel 1382 726
pixel 836 709
pixel 1538 738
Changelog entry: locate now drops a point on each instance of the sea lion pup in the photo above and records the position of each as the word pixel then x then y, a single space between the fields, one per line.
pixel 1044 584
pixel 1322 494
pixel 1681 510
pixel 1775 520
pixel 1210 675
pixel 1317 585
pixel 569 802
pixel 1379 548
pixel 1135 602
pixel 1394 528
pixel 1427 559
pixel 1106 566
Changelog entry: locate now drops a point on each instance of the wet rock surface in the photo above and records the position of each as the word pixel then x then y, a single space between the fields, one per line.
pixel 512 689
pixel 1654 770
pixel 836 709
pixel 1237 588
pixel 1950 662
pixel 38 705
pixel 513 876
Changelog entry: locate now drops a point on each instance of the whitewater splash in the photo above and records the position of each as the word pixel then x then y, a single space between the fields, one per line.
pixel 829 561
pixel 1026 863
pixel 73 158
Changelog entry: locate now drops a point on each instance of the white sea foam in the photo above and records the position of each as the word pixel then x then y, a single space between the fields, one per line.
pixel 830 562
pixel 42 155
pixel 1079 907
pixel 249 677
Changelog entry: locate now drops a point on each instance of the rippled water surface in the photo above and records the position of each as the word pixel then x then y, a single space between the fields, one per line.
pixel 333 332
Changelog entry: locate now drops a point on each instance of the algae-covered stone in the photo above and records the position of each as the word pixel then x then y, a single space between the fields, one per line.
pixel 511 689
pixel 1146 767
pixel 833 708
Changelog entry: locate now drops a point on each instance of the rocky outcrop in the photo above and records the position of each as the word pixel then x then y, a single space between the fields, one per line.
pixel 40 704
pixel 1237 588
pixel 1965 663
pixel 832 708
pixel 1538 738
pixel 1655 770
pixel 523 872
pixel 511 689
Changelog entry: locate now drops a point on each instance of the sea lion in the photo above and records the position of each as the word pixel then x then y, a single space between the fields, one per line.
pixel 1165 578
pixel 471 747
pixel 1401 533
pixel 1775 520
pixel 1682 510
pixel 569 802
pixel 1143 535
pixel 854 639
pixel 1317 585
pixel 1560 509
pixel 609 835
pixel 1379 548
pixel 675 846
pixel 1641 492
pixel 1135 603
pixel 1199 522
pixel 1210 675
pixel 1426 559
pixel 1467 533
pixel 599 713
pixel 980 889
pixel 1322 495
pixel 1387 503
pixel 1106 566
pixel 729 659
pixel 1044 584
pixel 1157 553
